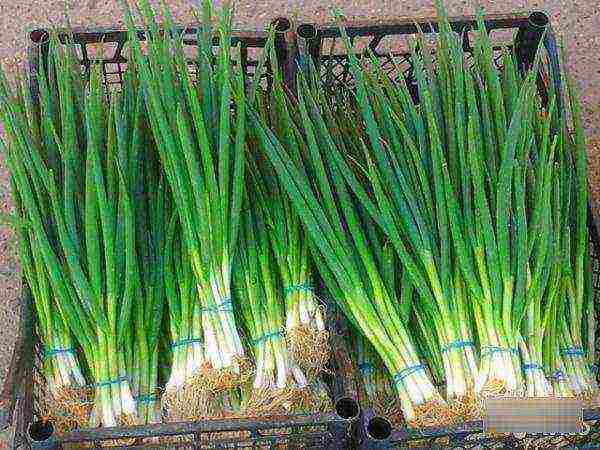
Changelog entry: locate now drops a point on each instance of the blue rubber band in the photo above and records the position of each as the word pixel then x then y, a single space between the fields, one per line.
pixel 224 306
pixel 265 337
pixel 146 398
pixel 59 351
pixel 491 349
pixel 572 351
pixel 532 366
pixel 457 345
pixel 302 287
pixel 594 367
pixel 111 382
pixel 186 342
pixel 366 368
pixel 407 372
pixel 557 376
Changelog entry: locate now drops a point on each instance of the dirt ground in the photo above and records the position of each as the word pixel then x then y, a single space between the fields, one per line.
pixel 577 21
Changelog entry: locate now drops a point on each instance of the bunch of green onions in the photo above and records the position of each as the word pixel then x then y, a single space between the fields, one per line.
pixel 201 144
pixel 98 250
pixel 473 238
pixel 151 201
pixel 347 248
pixel 63 372
pixel 430 219
pixel 305 328
pixel 492 161
pixel 68 401
pixel 278 381
pixel 565 341
pixel 66 383
pixel 83 222
pixel 186 338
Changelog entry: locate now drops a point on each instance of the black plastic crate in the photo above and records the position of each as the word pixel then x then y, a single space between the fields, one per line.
pixel 24 385
pixel 388 41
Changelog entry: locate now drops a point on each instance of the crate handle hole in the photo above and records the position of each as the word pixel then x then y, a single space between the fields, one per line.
pixel 538 19
pixel 347 408
pixel 379 428
pixel 306 31
pixel 39 36
pixel 282 24
pixel 41 430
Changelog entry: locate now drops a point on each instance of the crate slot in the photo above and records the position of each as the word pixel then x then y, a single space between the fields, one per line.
pixel 394 44
pixel 504 36
pixel 106 51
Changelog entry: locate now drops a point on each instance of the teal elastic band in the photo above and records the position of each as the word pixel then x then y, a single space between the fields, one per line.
pixel 224 306
pixel 407 372
pixel 303 287
pixel 366 368
pixel 457 345
pixel 265 337
pixel 49 353
pixel 532 366
pixel 186 342
pixel 491 349
pixel 146 398
pixel 572 351
pixel 111 382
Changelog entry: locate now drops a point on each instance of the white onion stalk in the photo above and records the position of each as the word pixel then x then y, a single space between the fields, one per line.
pixel 536 383
pixel 306 334
pixel 223 344
pixel 560 383
pixel 61 365
pixel 576 367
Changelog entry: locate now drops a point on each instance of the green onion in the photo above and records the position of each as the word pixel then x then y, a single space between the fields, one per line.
pixel 68 399
pixel 201 144
pixel 306 334
pixel 150 197
pixel 79 253
pixel 186 398
pixel 346 255
pixel 418 215
pixel 279 384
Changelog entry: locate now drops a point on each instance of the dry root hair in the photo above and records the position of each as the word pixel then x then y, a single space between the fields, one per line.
pixel 309 348
pixel 68 408
pixel 431 414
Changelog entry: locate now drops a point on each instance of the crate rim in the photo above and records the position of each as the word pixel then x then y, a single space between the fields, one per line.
pixel 250 424
pixel 327 29
pixel 408 25
pixel 96 35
